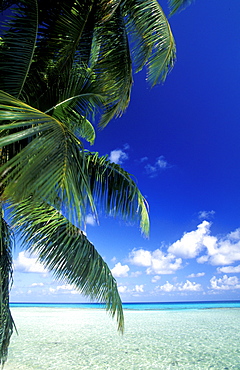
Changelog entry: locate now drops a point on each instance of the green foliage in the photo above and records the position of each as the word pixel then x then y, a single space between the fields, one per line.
pixel 178 5
pixel 62 65
pixel 6 321
pixel 65 250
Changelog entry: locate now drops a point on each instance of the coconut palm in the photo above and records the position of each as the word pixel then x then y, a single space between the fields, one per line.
pixel 62 65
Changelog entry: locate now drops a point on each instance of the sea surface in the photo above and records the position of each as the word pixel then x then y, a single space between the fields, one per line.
pixel 186 335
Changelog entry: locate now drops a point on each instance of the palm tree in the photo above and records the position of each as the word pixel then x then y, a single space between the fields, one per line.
pixel 62 64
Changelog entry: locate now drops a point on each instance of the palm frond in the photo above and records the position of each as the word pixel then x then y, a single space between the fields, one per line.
pixel 6 320
pixel 66 251
pixel 115 191
pixel 153 42
pixel 77 123
pixel 78 100
pixel 51 166
pixel 178 5
pixel 105 9
pixel 112 65
pixel 19 34
pixel 61 26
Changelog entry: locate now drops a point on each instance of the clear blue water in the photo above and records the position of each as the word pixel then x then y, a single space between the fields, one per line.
pixel 162 336
pixel 142 305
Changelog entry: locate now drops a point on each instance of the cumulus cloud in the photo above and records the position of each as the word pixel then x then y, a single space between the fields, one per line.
pixel 133 290
pixel 217 250
pixel 120 270
pixel 64 289
pixel 122 289
pixel 118 156
pixel 27 262
pixel 140 257
pixel 224 250
pixel 156 278
pixel 229 269
pixel 180 287
pixel 225 283
pixel 153 169
pixel 156 261
pixel 199 274
pixel 198 244
pixel 139 288
pixel 191 243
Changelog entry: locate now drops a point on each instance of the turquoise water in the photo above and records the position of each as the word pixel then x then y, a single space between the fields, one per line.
pixel 142 305
pixel 184 336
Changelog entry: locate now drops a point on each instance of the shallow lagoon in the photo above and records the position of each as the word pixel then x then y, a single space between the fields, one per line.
pixel 53 338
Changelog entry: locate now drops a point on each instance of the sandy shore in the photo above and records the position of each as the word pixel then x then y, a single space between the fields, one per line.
pixel 71 338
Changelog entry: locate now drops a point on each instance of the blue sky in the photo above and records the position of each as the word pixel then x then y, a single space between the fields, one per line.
pixel 180 140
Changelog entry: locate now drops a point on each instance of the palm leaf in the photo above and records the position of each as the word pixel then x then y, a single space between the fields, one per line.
pixel 54 166
pixel 61 25
pixel 65 250
pixel 18 42
pixel 153 42
pixel 77 101
pixel 115 191
pixel 77 123
pixel 112 65
pixel 50 167
pixel 178 5
pixel 6 321
pixel 105 9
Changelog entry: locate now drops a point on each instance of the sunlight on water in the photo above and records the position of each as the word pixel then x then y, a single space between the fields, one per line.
pixel 71 338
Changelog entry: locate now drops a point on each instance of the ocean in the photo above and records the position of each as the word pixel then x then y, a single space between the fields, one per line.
pixel 164 336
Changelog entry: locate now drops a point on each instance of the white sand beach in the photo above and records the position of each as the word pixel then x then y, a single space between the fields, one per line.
pixel 72 338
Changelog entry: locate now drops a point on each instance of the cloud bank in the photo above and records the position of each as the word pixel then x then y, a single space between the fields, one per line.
pixel 198 244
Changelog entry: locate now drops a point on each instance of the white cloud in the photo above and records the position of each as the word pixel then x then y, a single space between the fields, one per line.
pixel 229 269
pixel 187 286
pixel 90 220
pixel 190 245
pixel 225 283
pixel 65 289
pixel 140 257
pixel 27 262
pixel 198 244
pixel 223 251
pixel 156 261
pixel 120 270
pixel 163 263
pixel 36 284
pixel 156 278
pixel 206 214
pixel 160 164
pixel 234 235
pixel 139 288
pixel 167 287
pixel 122 289
pixel 199 274
pixel 119 155
pixel 218 250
